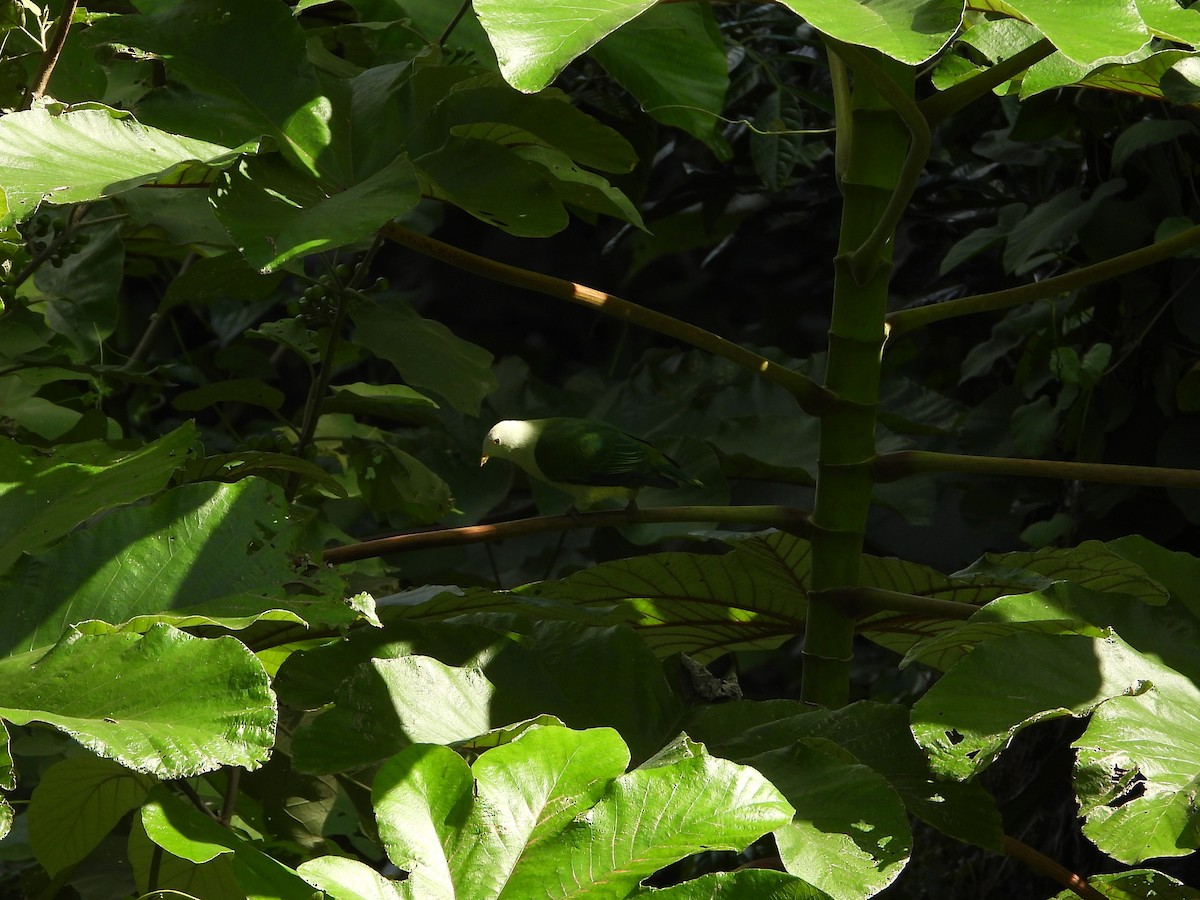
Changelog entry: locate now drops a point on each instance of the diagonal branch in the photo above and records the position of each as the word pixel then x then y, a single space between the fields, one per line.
pixel 920 316
pixel 53 51
pixel 944 104
pixel 812 398
pixel 786 518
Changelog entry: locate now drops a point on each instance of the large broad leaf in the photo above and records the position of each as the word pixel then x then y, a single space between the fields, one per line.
pixel 1178 572
pixel 549 117
pixel 672 60
pixel 342 878
pixel 911 31
pixel 88 154
pixel 857 858
pixel 534 39
pixel 703 605
pixel 246 72
pixel 184 832
pixel 152 865
pixel 196 544
pixel 1138 762
pixel 76 803
pixel 385 696
pixel 743 884
pixel 495 185
pixel 426 353
pixel 276 214
pixel 164 703
pixel 1087 31
pixel 573 820
pixel 876 735
pixel 46 493
pixel 1061 608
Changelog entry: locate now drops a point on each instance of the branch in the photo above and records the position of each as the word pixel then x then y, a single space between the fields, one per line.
pixel 50 58
pixel 943 104
pixel 862 601
pixel 903 463
pixel 812 398
pixel 867 257
pixel 920 316
pixel 320 387
pixel 784 517
pixel 1040 862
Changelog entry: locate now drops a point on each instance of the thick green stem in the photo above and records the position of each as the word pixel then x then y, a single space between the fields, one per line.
pixel 878 177
pixel 942 105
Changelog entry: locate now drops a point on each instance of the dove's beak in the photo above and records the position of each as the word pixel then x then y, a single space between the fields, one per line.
pixel 483 461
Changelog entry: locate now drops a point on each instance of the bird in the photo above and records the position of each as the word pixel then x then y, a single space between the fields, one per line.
pixel 592 461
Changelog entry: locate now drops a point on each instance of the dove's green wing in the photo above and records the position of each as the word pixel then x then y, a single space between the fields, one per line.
pixel 585 452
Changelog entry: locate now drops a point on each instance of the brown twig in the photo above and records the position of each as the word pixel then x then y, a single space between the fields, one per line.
pixel 1040 862
pixel 786 518
pixel 53 51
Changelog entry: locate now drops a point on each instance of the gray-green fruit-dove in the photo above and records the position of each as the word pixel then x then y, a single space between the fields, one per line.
pixel 590 460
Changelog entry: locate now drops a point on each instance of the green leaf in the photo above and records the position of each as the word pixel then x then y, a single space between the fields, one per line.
pixel 212 881
pixel 535 40
pixel 1087 31
pixel 671 58
pixel 744 884
pixel 911 31
pixel 164 703
pixel 220 277
pixel 1176 571
pixel 238 86
pixel 495 185
pixel 1062 608
pixel 276 214
pixel 195 544
pixel 582 189
pixel 391 480
pixel 877 735
pixel 1138 774
pixel 1138 761
pixel 486 108
pixel 386 696
pixel 237 390
pixel 572 821
pixel 1006 684
pixel 1138 884
pixel 87 154
pixel 775 146
pixel 1147 133
pixel 82 293
pixel 425 353
pixel 1049 224
pixel 238 466
pixel 76 803
pixel 46 493
pixel 185 832
pixel 849 835
pixel 701 604
pixel 387 401
pixel 347 879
